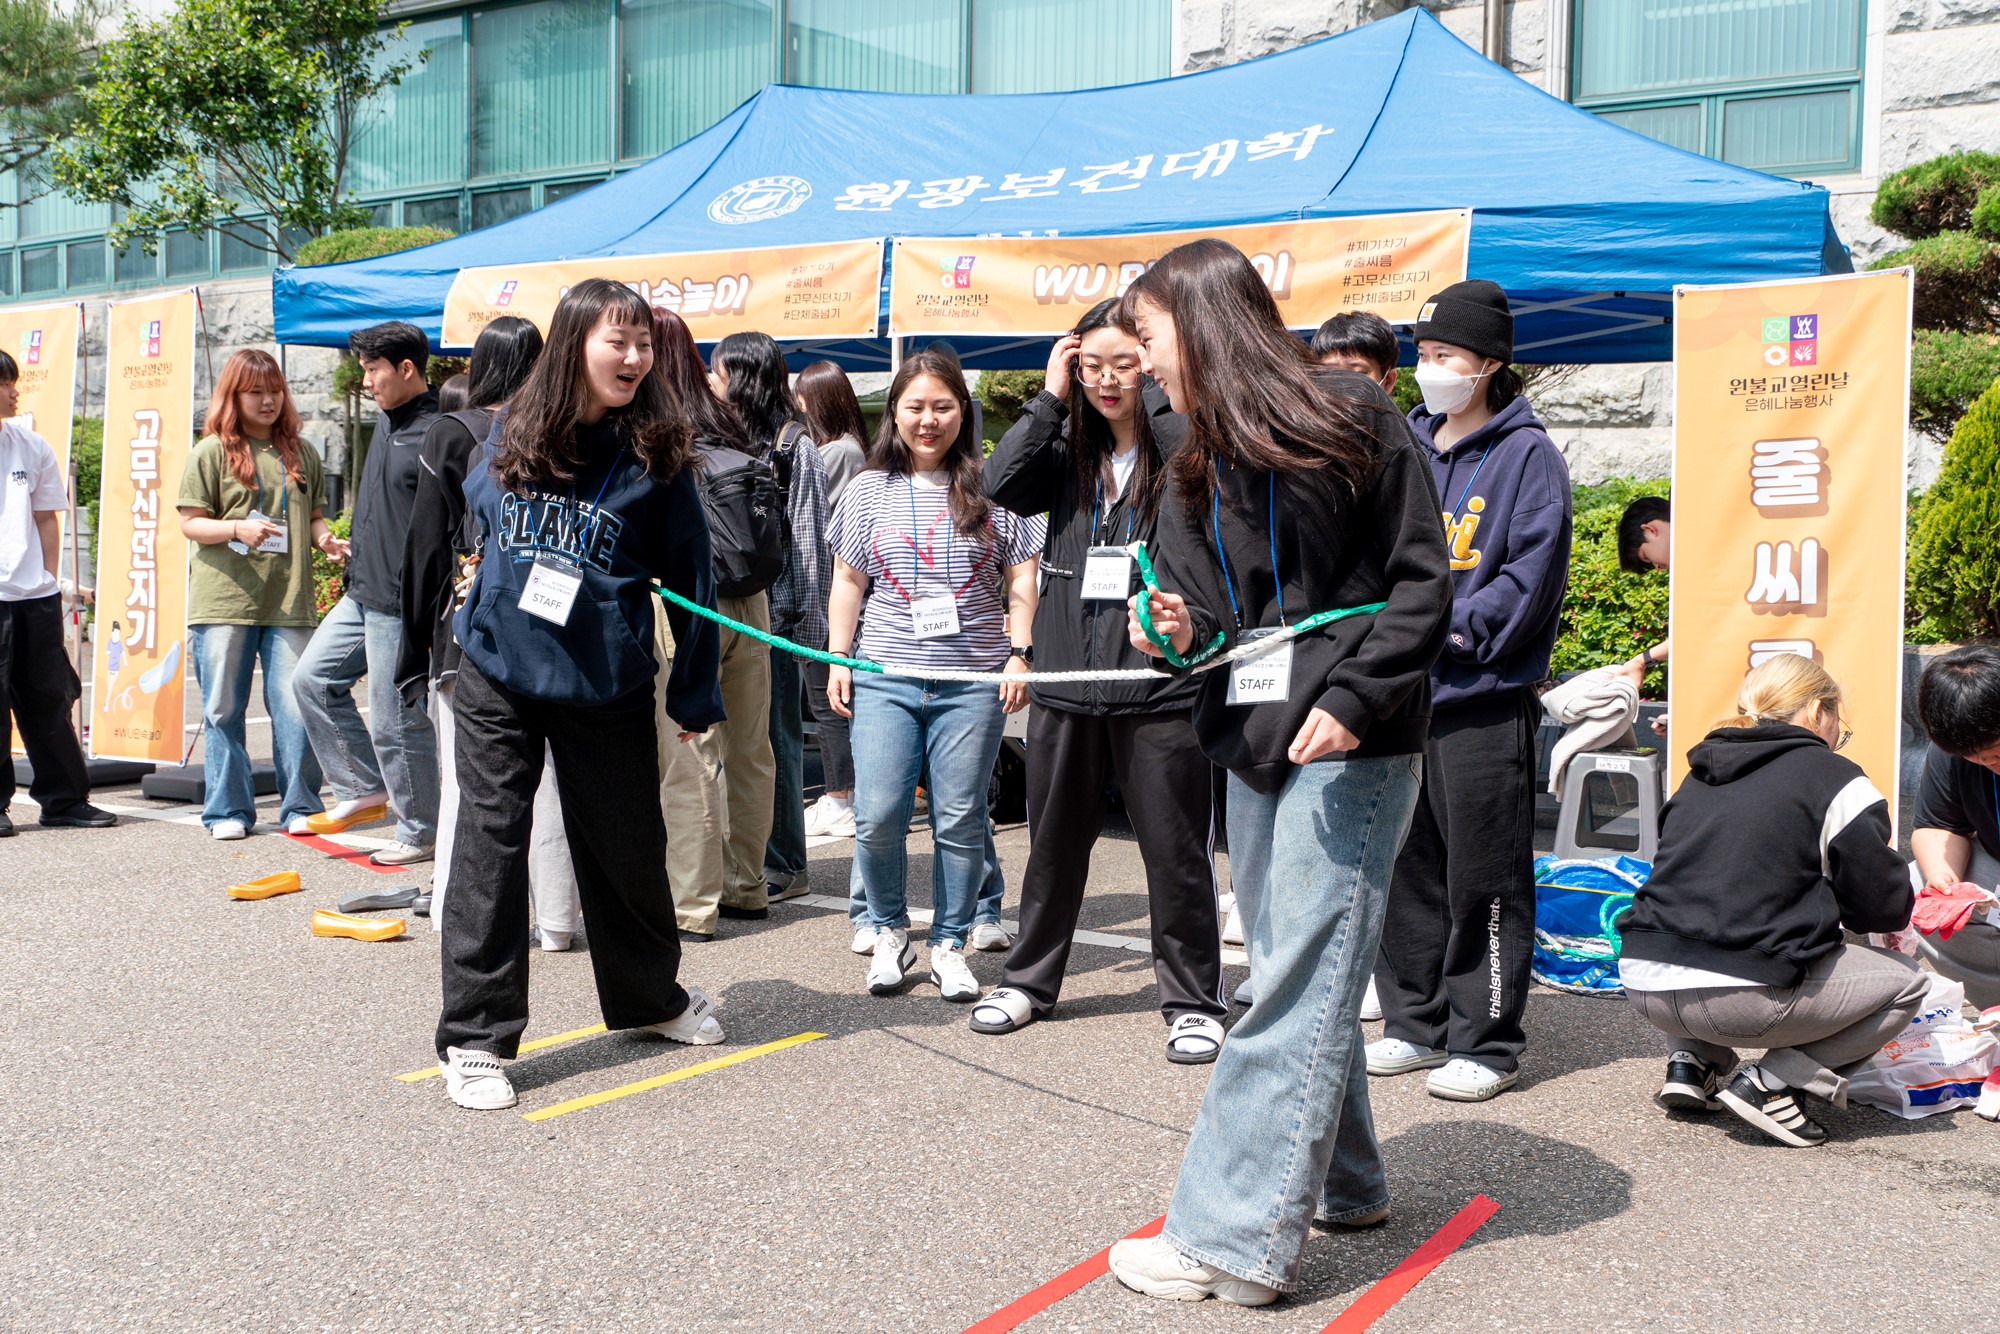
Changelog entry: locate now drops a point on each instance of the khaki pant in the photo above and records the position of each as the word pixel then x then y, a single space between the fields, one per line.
pixel 716 790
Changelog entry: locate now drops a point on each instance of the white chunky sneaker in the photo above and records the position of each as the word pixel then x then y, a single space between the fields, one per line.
pixel 1371 1004
pixel 1232 927
pixel 475 1081
pixel 864 940
pixel 1393 1056
pixel 831 817
pixel 228 831
pixel 1151 1265
pixel 1467 1080
pixel 696 1025
pixel 1002 1010
pixel 894 957
pixel 989 936
pixel 953 979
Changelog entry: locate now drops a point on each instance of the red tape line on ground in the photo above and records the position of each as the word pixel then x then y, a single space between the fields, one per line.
pixel 1396 1284
pixel 341 852
pixel 1062 1285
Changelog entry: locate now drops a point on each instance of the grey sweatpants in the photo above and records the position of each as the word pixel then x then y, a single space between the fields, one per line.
pixel 1840 1014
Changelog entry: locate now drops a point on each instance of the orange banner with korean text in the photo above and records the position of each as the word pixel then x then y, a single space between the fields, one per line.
pixel 1317 268
pixel 833 290
pixel 1790 407
pixel 140 655
pixel 43 343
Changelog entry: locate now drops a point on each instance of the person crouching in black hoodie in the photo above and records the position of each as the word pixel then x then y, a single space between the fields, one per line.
pixel 585 500
pixel 1771 846
pixel 1090 452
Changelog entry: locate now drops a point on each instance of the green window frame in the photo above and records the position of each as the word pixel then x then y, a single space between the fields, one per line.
pixel 1775 85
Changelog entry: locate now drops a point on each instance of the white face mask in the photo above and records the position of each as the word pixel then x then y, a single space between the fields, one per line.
pixel 1446 391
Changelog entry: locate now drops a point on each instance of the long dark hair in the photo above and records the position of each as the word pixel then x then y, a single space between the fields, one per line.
pixel 502 356
pixel 1091 442
pixel 677 369
pixel 826 397
pixel 970 509
pixel 538 443
pixel 754 366
pixel 1252 396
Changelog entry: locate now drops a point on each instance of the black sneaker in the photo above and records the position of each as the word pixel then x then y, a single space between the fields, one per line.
pixel 6 826
pixel 83 815
pixel 697 937
pixel 1690 1085
pixel 736 914
pixel 1776 1112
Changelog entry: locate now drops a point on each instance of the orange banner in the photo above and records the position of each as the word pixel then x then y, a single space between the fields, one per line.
pixel 810 291
pixel 1790 405
pixel 140 656
pixel 43 341
pixel 987 286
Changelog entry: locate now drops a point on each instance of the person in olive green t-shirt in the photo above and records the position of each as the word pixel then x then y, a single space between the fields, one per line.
pixel 251 502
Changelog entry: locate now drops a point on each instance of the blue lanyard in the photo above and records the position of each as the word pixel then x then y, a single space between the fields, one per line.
pixel 590 525
pixel 1100 500
pixel 1486 454
pixel 1271 524
pixel 916 568
pixel 284 491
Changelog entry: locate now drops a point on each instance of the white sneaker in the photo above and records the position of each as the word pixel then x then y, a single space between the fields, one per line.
pixel 1002 1010
pixel 1242 994
pixel 949 974
pixel 475 1081
pixel 552 942
pixel 1225 903
pixel 894 956
pixel 299 825
pixel 1151 1265
pixel 864 940
pixel 228 831
pixel 830 817
pixel 1371 1004
pixel 696 1025
pixel 989 936
pixel 1466 1080
pixel 1393 1056
pixel 402 854
pixel 1232 927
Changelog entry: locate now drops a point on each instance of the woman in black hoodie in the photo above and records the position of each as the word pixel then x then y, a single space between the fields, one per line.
pixel 1771 846
pixel 1090 452
pixel 1299 491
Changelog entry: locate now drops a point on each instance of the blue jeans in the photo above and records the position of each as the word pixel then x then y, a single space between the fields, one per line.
pixel 992 887
pixel 401 757
pixel 902 729
pixel 223 657
pixel 785 850
pixel 1285 1132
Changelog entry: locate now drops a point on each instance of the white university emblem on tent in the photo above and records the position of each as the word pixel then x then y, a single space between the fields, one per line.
pixel 764 197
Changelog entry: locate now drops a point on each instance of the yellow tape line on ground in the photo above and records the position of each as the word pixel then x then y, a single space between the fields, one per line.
pixel 674 1077
pixel 526 1047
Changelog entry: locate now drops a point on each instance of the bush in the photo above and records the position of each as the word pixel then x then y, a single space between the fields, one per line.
pixel 1948 370
pixel 1954 562
pixel 1005 394
pixel 328 578
pixel 87 448
pixel 367 243
pixel 1986 213
pixel 1939 195
pixel 1608 615
pixel 1958 280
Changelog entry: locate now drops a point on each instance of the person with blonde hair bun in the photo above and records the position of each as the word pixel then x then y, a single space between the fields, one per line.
pixel 1772 845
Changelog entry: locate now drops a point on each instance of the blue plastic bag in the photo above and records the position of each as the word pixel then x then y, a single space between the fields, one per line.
pixel 1576 902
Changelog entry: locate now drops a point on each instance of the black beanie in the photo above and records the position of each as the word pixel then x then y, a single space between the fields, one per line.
pixel 1472 315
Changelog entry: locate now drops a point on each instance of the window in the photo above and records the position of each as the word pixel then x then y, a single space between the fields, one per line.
pixel 86 264
pixel 238 254
pixel 135 266
pixel 1054 46
pixel 541 86
pixel 885 46
pixel 685 64
pixel 564 189
pixel 6 273
pixel 382 215
pixel 41 270
pixel 187 254
pixel 52 213
pixel 414 133
pixel 1770 84
pixel 440 212
pixel 495 206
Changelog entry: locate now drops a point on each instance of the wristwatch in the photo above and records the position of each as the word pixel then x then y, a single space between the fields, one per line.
pixel 1025 652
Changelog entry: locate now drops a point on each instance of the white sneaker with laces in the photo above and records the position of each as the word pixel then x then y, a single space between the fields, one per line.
pixel 1371 1004
pixel 1467 1080
pixel 989 936
pixel 1393 1056
pixel 949 973
pixel 228 831
pixel 696 1025
pixel 1232 927
pixel 831 817
pixel 475 1081
pixel 864 940
pixel 402 854
pixel 894 957
pixel 1151 1265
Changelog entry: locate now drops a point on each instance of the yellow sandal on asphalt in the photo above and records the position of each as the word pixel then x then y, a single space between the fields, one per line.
pixel 328 823
pixel 266 887
pixel 326 922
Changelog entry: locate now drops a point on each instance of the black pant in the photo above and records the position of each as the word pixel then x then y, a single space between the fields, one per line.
pixel 836 753
pixel 37 687
pixel 608 776
pixel 1460 931
pixel 1165 780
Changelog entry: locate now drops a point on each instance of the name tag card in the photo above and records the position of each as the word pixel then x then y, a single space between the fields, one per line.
pixel 934 617
pixel 1107 573
pixel 277 544
pixel 550 592
pixel 1261 680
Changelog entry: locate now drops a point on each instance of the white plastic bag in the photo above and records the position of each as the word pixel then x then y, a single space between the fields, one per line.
pixel 1936 1064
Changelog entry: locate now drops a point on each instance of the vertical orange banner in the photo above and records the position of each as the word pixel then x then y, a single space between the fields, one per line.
pixel 142 560
pixel 1790 407
pixel 43 343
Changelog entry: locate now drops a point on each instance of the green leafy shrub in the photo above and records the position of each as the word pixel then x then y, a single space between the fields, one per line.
pixel 1986 213
pixel 1948 370
pixel 440 369
pixel 87 448
pixel 1005 394
pixel 1958 279
pixel 367 243
pixel 1954 561
pixel 327 577
pixel 1608 615
pixel 1938 195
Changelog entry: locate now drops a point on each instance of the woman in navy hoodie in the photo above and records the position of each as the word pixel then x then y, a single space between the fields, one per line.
pixel 582 497
pixel 1453 973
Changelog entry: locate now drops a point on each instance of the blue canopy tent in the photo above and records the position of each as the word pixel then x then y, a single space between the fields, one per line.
pixel 1588 226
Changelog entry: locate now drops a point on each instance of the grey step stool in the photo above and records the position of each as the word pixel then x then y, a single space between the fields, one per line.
pixel 1611 804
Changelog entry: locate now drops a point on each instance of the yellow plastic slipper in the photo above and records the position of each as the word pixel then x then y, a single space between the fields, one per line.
pixel 326 922
pixel 327 823
pixel 266 887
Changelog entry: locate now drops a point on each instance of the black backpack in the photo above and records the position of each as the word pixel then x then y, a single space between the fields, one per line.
pixel 749 526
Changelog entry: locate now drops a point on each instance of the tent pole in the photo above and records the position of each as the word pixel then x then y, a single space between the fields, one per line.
pixel 895 355
pixel 1495 47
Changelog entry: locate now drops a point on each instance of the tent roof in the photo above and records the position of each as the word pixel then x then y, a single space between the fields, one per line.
pixel 1587 225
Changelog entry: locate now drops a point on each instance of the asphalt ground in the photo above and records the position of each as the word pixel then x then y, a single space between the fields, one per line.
pixel 203 1130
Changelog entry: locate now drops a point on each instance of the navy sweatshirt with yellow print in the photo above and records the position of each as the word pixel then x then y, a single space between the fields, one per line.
pixel 1505 492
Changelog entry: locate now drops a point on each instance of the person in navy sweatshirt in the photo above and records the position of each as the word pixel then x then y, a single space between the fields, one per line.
pixel 582 497
pixel 1452 976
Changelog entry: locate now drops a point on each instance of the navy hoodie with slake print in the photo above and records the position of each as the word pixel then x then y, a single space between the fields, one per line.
pixel 1505 492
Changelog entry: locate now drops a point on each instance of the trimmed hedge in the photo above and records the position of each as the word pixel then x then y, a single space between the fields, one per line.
pixel 1938 195
pixel 1948 370
pixel 367 243
pixel 1954 561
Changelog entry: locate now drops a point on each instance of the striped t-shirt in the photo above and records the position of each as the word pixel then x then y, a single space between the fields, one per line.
pixel 896 529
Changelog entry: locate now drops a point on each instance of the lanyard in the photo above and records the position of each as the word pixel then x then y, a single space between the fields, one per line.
pixel 284 492
pixel 1100 501
pixel 916 568
pixel 589 525
pixel 1271 524
pixel 1484 455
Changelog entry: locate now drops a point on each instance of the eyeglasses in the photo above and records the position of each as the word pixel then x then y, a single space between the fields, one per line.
pixel 1124 378
pixel 1846 735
